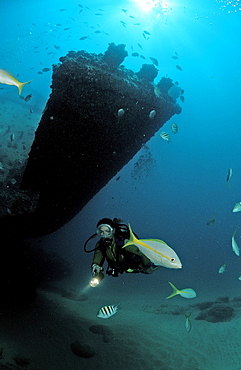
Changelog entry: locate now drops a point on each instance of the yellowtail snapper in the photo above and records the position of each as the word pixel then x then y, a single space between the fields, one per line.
pixel 156 250
pixel 8 78
pixel 185 293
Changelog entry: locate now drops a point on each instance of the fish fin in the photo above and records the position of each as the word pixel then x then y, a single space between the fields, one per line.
pixel 175 291
pixel 156 240
pixel 187 315
pixel 132 239
pixel 21 86
pixel 234 232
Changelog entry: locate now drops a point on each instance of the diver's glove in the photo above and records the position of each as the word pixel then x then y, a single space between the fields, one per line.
pixel 96 269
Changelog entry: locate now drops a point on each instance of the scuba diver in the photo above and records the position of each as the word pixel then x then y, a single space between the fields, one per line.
pixel 113 235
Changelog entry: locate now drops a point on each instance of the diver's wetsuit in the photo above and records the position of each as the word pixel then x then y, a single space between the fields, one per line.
pixel 119 259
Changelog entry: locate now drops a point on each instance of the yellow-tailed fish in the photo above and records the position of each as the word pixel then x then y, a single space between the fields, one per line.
pixel 239 277
pixel 229 175
pixel 235 246
pixel 222 269
pixel 156 250
pixel 188 324
pixel 185 293
pixel 8 78
pixel 237 207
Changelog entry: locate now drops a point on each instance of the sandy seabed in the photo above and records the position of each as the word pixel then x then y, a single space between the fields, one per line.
pixel 139 336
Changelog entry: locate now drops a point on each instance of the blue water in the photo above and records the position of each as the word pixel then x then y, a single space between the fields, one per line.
pixel 186 186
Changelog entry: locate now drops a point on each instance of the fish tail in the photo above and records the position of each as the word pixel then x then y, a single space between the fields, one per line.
pixel 187 315
pixel 175 291
pixel 234 232
pixel 132 238
pixel 21 86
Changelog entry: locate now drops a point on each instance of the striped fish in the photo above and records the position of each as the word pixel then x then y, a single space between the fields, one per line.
pixel 174 128
pixel 107 311
pixel 164 136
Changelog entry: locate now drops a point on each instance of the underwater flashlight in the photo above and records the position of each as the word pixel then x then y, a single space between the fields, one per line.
pixel 96 280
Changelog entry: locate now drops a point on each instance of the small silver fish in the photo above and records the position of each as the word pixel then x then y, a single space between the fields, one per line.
pixel 152 114
pixel 28 97
pixel 157 91
pixel 120 112
pixel 222 269
pixel 235 246
pixel 13 181
pixel 178 67
pixel 229 175
pixel 237 207
pixel 107 311
pixel 164 136
pixel 174 128
pixel 188 324
pixel 154 61
pixel 210 222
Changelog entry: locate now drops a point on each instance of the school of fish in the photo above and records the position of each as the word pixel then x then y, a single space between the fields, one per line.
pixel 155 249
pixel 237 208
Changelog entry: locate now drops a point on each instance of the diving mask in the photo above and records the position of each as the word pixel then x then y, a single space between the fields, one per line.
pixel 105 231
